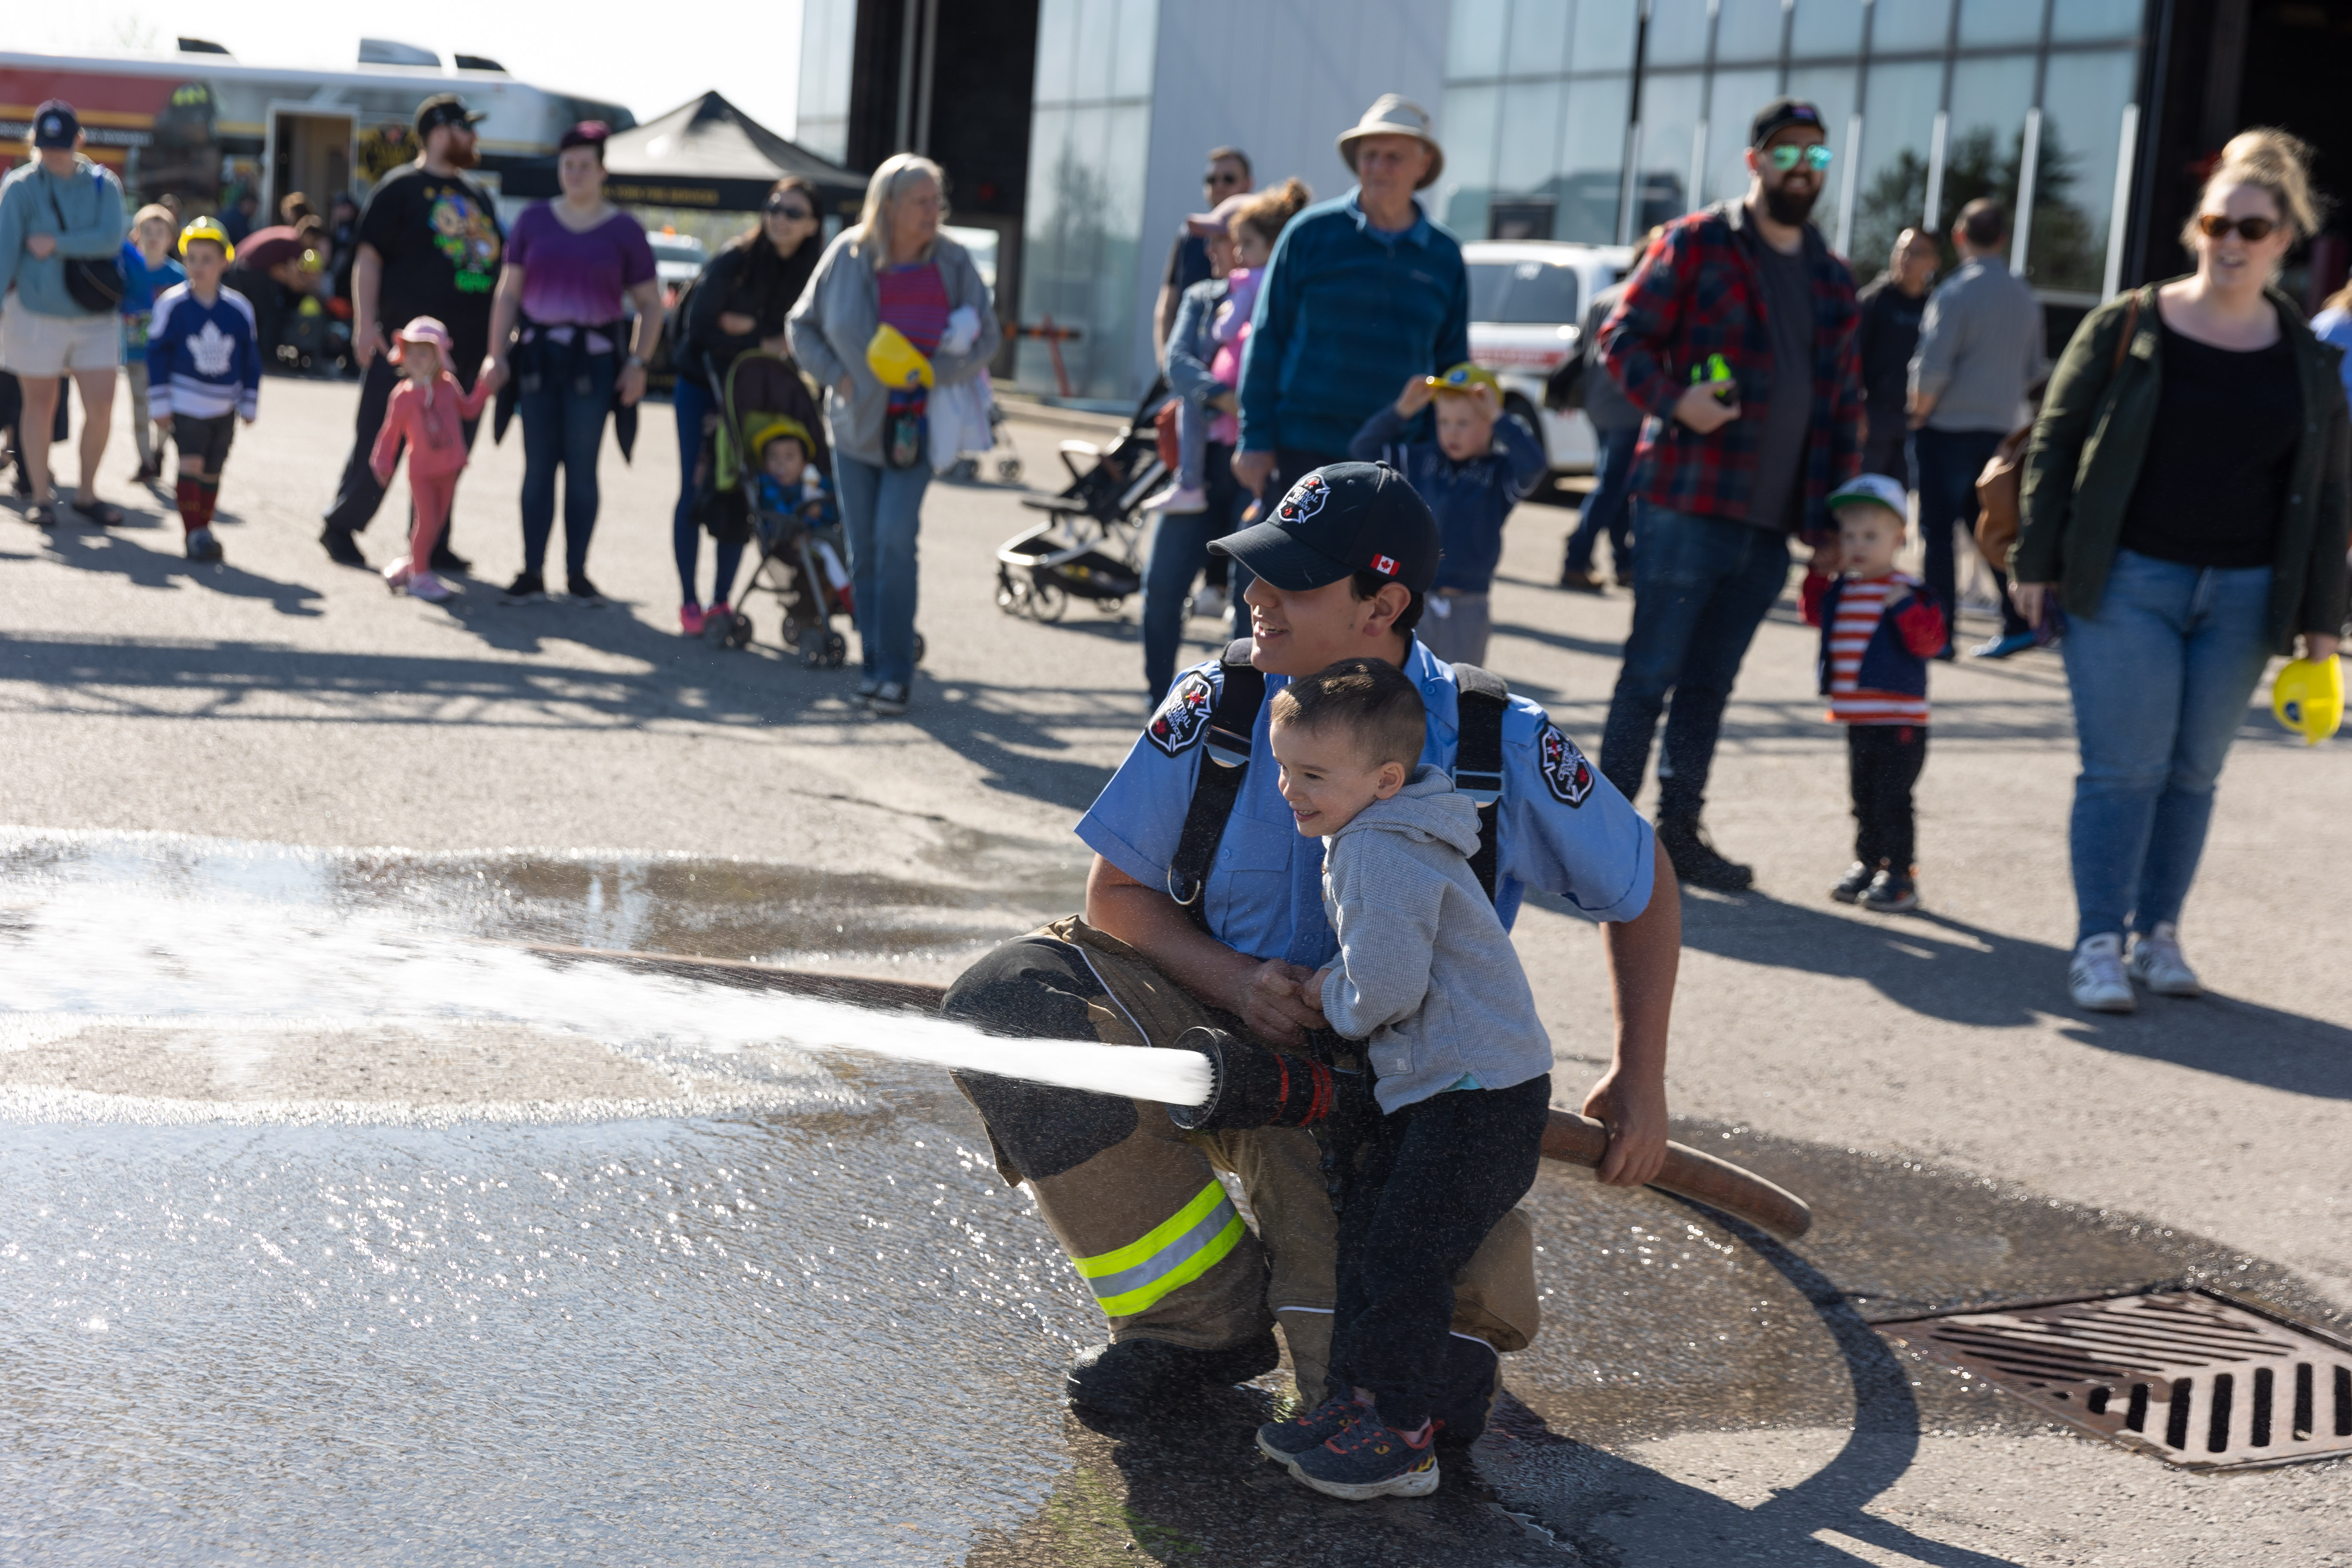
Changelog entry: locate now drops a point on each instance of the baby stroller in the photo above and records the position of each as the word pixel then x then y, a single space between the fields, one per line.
pixel 1090 547
pixel 800 551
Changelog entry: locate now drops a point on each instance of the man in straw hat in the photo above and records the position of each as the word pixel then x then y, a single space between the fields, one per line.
pixel 1363 292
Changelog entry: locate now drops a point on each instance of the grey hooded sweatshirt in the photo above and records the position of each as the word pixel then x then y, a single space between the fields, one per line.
pixel 1426 973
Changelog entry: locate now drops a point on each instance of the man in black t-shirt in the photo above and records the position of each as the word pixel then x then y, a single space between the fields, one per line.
pixel 1891 306
pixel 429 245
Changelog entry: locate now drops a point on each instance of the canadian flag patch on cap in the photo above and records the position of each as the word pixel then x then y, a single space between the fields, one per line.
pixel 1385 565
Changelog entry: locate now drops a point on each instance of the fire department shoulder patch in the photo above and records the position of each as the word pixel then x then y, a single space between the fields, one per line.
pixel 1565 771
pixel 1184 717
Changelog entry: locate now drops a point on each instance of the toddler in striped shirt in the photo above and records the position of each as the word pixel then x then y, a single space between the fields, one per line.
pixel 1879 628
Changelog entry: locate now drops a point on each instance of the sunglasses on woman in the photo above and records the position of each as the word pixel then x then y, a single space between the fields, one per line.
pixel 792 210
pixel 2215 225
pixel 1787 156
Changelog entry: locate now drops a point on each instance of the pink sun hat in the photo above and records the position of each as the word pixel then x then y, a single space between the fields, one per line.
pixel 424 330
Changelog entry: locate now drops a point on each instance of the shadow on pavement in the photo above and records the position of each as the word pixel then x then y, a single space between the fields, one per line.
pixel 121 552
pixel 1948 969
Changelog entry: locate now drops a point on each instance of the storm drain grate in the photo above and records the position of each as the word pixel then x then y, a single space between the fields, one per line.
pixel 2199 1381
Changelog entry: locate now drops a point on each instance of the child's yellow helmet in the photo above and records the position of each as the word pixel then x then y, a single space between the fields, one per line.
pixel 897 363
pixel 2308 698
pixel 208 228
pixel 1463 380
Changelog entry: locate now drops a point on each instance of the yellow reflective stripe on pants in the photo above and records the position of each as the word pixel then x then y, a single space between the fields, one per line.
pixel 1175 1252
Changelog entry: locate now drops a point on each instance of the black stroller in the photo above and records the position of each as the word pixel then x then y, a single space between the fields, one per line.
pixel 1090 547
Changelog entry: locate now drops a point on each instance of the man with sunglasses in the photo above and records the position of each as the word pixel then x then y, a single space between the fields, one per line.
pixel 1737 337
pixel 1188 258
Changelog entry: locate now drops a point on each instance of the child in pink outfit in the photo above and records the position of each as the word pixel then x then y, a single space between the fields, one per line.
pixel 428 411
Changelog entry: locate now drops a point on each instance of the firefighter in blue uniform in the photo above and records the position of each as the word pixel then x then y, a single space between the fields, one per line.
pixel 1205 906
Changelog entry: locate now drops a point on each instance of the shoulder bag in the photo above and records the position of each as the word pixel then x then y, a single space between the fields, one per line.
pixel 1999 500
pixel 95 282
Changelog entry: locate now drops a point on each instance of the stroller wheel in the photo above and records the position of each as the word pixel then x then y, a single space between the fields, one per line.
pixel 920 648
pixel 1047 599
pixel 1011 597
pixel 739 634
pixel 836 650
pixel 1109 607
pixel 1009 470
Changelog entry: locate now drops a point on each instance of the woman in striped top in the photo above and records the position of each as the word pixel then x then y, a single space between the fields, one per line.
pixel 1879 628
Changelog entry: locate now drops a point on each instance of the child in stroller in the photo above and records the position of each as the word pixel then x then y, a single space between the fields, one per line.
pixel 797 525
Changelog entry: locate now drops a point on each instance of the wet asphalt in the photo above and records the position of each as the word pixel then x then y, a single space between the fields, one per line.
pixel 348 1290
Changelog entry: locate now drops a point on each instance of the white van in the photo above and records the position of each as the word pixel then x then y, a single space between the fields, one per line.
pixel 1528 300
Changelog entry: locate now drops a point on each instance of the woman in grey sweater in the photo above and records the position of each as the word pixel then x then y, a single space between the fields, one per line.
pixel 893 269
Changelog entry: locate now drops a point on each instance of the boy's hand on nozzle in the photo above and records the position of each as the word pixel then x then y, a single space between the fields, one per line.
pixel 1276 1005
pixel 1636 1116
pixel 1415 397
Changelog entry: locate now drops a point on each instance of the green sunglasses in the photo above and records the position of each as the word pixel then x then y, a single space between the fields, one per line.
pixel 1786 156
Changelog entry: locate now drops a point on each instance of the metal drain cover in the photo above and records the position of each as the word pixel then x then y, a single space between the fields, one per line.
pixel 2199 1381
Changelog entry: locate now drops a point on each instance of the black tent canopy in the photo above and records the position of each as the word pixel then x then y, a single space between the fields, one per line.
pixel 704 153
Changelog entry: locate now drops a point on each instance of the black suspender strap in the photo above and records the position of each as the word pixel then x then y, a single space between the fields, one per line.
pixel 1478 758
pixel 1225 763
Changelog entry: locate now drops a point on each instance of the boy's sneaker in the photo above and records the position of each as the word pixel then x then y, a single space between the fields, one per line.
pixel 580 591
pixel 1370 1458
pixel 202 545
pixel 1850 886
pixel 426 586
pixel 2096 977
pixel 527 588
pixel 2155 962
pixel 1179 500
pixel 1283 1441
pixel 690 619
pixel 1890 892
pixel 889 699
pixel 1695 859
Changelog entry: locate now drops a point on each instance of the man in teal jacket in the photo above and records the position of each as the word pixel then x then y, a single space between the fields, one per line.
pixel 1361 292
pixel 60 207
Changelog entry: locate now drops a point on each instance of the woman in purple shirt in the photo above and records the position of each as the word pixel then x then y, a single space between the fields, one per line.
pixel 557 325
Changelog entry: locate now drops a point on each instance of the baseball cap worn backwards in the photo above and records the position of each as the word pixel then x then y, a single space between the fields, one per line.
pixel 1337 521
pixel 1779 115
pixel 444 109
pixel 54 124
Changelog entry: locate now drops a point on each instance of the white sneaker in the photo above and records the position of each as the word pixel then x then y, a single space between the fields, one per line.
pixel 1179 500
pixel 2155 962
pixel 1211 602
pixel 2096 977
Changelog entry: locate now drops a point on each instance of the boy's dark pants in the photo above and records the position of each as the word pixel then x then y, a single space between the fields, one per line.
pixel 1884 762
pixel 1434 1178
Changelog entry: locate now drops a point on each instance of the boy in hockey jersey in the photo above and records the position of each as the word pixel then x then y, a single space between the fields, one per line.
pixel 204 373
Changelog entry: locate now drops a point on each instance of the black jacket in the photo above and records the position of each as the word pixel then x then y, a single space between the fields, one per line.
pixel 1890 336
pixel 746 279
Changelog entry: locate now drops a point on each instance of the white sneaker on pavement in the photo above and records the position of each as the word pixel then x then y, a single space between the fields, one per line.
pixel 1179 500
pixel 2096 977
pixel 1209 601
pixel 2155 962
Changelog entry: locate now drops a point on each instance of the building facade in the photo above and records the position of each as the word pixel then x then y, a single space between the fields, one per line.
pixel 1579 119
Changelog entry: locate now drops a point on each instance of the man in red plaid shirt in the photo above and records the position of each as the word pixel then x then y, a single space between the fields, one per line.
pixel 1737 335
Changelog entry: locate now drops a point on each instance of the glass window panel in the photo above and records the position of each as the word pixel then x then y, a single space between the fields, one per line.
pixel 2075 180
pixel 1084 215
pixel 1904 25
pixel 1096 51
pixel 1471 116
pixel 2096 19
pixel 1989 98
pixel 1057 34
pixel 1830 88
pixel 1826 27
pixel 1898 117
pixel 1591 160
pixel 1604 34
pixel 1530 134
pixel 1738 94
pixel 1539 39
pixel 1989 22
pixel 1669 116
pixel 1474 39
pixel 1748 30
pixel 1523 292
pixel 1135 42
pixel 1677 32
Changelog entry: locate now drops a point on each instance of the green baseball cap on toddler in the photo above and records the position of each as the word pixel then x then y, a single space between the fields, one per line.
pixel 1875 489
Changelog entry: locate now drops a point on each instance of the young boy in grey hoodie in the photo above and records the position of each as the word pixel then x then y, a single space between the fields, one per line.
pixel 1428 979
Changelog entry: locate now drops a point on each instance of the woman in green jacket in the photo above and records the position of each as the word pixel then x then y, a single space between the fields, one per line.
pixel 2186 501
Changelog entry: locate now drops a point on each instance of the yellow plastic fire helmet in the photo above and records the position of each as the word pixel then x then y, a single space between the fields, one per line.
pixel 208 228
pixel 2308 698
pixel 898 363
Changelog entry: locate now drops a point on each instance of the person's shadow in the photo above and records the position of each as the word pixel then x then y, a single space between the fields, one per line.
pixel 122 553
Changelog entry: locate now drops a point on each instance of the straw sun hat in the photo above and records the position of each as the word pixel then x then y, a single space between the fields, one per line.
pixel 1392 114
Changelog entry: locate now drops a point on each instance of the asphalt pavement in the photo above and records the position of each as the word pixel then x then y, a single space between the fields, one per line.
pixel 588 774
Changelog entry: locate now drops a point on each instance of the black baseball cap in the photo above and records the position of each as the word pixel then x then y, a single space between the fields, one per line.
pixel 444 109
pixel 54 124
pixel 1337 521
pixel 1779 115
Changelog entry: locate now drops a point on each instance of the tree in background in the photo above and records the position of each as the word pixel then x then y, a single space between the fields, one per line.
pixel 2061 253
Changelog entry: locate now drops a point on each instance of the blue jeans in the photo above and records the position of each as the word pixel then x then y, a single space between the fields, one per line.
pixel 1609 508
pixel 881 512
pixel 693 401
pixel 1948 463
pixel 2160 677
pixel 1179 549
pixel 562 428
pixel 1700 590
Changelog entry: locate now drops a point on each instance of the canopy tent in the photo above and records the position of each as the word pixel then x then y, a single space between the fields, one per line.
pixel 704 153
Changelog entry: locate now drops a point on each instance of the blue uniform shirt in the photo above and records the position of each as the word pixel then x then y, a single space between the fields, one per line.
pixel 1562 827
